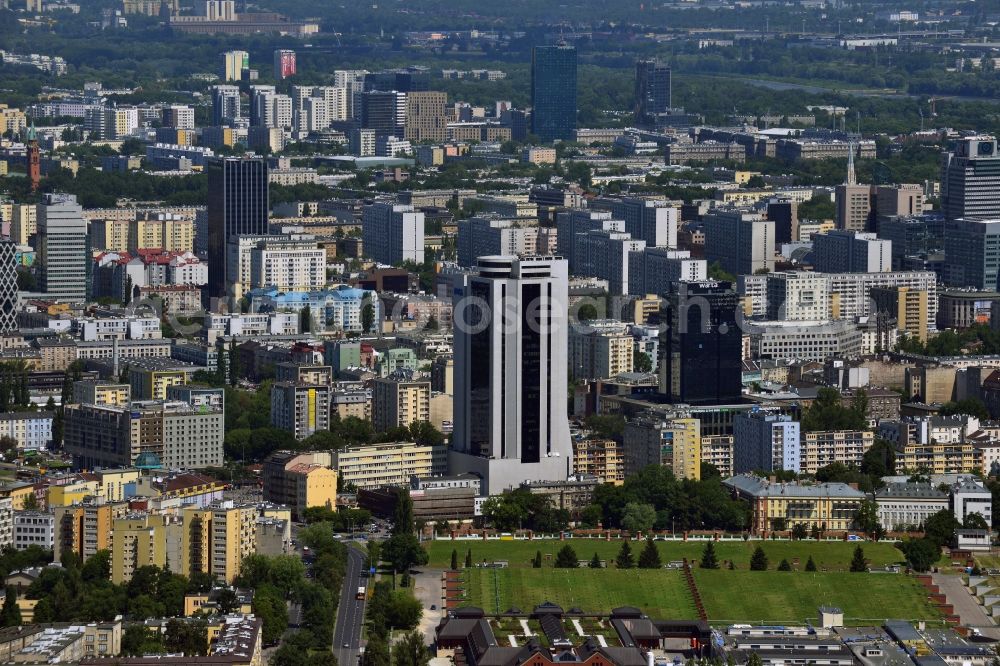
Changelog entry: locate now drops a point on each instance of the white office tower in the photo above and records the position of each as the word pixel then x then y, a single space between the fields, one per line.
pixel 62 248
pixel 510 372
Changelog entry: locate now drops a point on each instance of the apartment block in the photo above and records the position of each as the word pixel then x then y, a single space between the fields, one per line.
pixel 673 443
pixel 742 243
pixel 178 435
pixel 717 450
pixel 822 448
pixel 388 464
pixel 602 458
pixel 300 407
pixel 600 349
pixel 397 402
pixel 300 480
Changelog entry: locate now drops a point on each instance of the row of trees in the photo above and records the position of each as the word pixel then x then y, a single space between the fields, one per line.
pixel 393 609
pixel 283 580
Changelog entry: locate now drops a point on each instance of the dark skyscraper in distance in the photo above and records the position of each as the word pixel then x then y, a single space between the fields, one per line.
pixel 237 205
pixel 553 92
pixel 652 89
pixel 701 348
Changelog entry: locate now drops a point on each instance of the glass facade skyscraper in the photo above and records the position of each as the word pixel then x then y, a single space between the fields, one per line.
pixel 237 205
pixel 652 89
pixel 701 347
pixel 553 92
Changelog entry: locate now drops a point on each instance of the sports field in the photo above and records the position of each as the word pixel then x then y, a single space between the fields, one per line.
pixel 729 596
pixel 828 555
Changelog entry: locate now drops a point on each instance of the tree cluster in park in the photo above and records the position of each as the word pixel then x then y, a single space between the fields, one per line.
pixel 389 612
pixel 522 509
pixel 922 554
pixel 827 412
pixel 679 504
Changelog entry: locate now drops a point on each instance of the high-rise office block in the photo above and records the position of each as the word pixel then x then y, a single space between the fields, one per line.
pixel 510 372
pixel 784 212
pixel 393 233
pixel 425 119
pixel 234 63
pixel 654 221
pixel 225 105
pixel 970 180
pixel 384 112
pixel 972 253
pixel 652 89
pixel 897 200
pixel 237 205
pixel 854 207
pixel 742 243
pixel 851 252
pixel 701 347
pixel 63 252
pixel 8 286
pixel 284 64
pixel 553 92
pixel 653 269
pixel 918 236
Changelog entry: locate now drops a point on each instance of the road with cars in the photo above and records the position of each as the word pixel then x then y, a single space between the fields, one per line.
pixel 351 610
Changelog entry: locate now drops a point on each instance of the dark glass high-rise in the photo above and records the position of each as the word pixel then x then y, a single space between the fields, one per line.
pixel 701 360
pixel 553 92
pixel 237 205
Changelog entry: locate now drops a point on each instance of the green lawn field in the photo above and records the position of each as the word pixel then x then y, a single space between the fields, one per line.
pixel 828 555
pixel 776 596
pixel 662 592
pixel 729 596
